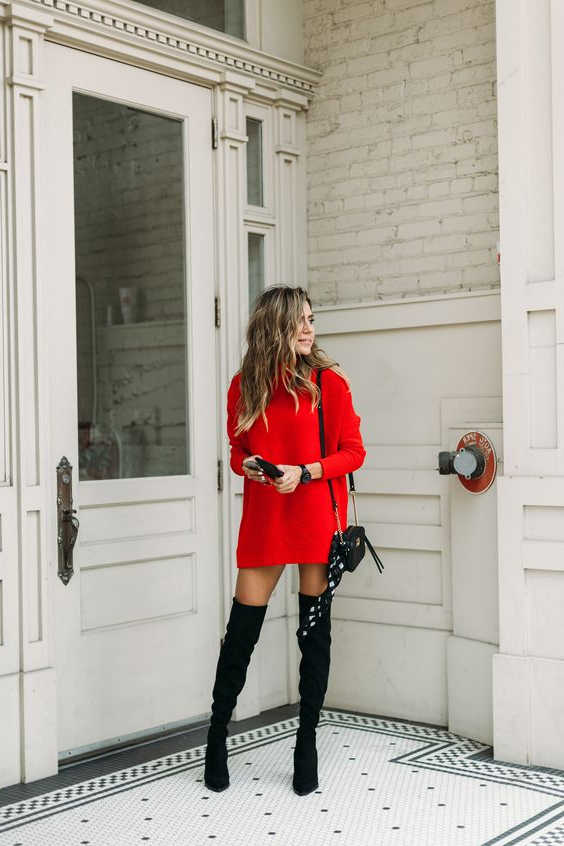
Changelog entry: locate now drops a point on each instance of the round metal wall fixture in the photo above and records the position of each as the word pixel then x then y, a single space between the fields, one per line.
pixel 475 443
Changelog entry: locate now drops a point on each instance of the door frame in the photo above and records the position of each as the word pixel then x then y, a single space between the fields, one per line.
pixel 187 626
pixel 235 72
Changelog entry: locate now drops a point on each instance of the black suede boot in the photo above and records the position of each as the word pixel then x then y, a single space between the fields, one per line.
pixel 241 636
pixel 314 675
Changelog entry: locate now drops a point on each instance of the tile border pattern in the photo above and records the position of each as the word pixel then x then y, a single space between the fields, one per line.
pixel 439 750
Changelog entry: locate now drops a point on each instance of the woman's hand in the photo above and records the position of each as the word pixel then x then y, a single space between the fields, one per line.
pixel 254 475
pixel 290 480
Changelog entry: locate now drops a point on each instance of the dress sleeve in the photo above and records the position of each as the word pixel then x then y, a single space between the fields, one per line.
pixel 350 448
pixel 239 450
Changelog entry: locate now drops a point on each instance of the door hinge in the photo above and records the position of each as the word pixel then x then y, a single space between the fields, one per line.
pixel 217 313
pixel 214 133
pixel 220 474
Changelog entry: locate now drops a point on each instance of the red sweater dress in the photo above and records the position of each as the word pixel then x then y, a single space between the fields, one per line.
pixel 295 527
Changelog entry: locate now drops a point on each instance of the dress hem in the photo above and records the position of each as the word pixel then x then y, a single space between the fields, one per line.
pixel 277 564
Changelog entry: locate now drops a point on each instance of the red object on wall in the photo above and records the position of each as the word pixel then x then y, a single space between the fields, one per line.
pixel 483 482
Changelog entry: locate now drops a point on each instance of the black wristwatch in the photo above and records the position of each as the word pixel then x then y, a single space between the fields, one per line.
pixel 306 475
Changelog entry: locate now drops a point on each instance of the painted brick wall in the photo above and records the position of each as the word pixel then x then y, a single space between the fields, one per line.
pixel 402 163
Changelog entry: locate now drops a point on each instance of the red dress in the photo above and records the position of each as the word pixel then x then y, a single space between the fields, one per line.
pixel 295 527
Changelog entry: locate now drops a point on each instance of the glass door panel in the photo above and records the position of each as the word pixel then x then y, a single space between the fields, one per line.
pixel 254 162
pixel 256 267
pixel 130 253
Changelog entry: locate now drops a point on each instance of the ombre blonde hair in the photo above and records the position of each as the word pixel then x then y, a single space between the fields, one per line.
pixel 272 333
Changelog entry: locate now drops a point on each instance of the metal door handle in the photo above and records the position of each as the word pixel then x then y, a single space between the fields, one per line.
pixel 67 523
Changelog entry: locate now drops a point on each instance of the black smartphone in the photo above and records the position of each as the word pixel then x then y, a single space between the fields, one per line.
pixel 251 464
pixel 270 469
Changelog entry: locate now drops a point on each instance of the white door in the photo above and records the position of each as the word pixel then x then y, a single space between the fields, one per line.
pixel 127 276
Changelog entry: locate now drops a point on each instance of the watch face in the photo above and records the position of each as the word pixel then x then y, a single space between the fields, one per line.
pixel 306 475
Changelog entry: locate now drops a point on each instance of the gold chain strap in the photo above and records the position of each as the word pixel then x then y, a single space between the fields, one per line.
pixel 338 523
pixel 353 494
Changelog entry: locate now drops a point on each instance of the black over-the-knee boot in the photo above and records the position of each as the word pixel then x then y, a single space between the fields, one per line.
pixel 314 675
pixel 242 633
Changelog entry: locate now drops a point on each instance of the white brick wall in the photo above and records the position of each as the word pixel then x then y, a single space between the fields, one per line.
pixel 402 163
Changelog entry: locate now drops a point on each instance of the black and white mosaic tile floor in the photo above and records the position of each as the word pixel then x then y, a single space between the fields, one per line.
pixel 382 782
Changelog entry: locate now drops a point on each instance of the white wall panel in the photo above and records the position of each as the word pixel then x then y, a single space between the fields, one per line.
pixel 543 397
pixel 271 658
pixel 417 386
pixel 539 169
pixel 25 637
pixel 5 324
pixel 474 525
pixel 469 679
pixel 528 689
pixel 10 763
pixel 137 591
pixel 545 620
pixel 281 28
pixel 287 169
pixel 10 652
pixel 388 670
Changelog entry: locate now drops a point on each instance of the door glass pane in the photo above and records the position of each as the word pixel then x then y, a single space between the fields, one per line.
pixel 254 162
pixel 256 267
pixel 225 15
pixel 130 258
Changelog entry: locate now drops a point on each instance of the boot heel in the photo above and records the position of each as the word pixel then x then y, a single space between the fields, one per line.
pixel 216 774
pixel 305 765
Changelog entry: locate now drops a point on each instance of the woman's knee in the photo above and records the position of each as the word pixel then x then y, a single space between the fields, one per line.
pixel 313 578
pixel 256 584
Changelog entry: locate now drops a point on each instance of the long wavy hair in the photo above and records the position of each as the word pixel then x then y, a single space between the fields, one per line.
pixel 272 332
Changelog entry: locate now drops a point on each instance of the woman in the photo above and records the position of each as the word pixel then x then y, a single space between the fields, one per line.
pixel 272 414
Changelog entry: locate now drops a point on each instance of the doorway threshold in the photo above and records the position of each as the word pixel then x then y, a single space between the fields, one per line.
pixel 95 751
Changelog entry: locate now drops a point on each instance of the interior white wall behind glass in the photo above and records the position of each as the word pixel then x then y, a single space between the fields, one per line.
pixel 130 292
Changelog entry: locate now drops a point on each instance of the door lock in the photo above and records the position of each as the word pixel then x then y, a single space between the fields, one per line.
pixel 67 523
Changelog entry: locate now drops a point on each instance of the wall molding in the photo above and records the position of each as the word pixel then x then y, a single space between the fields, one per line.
pixel 409 312
pixel 197 46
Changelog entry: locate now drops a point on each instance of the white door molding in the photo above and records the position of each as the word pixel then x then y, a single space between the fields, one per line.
pixel 26 28
pixel 157 40
pixel 529 670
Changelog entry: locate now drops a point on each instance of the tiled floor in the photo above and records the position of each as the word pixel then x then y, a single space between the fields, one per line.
pixel 382 782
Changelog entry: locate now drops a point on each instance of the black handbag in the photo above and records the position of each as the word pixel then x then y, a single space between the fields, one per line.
pixel 348 547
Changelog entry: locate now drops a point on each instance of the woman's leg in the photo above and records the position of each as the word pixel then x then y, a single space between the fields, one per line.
pixel 313 578
pixel 255 584
pixel 254 587
pixel 315 647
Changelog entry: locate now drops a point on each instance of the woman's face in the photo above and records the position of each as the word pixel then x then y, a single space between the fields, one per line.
pixel 306 331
